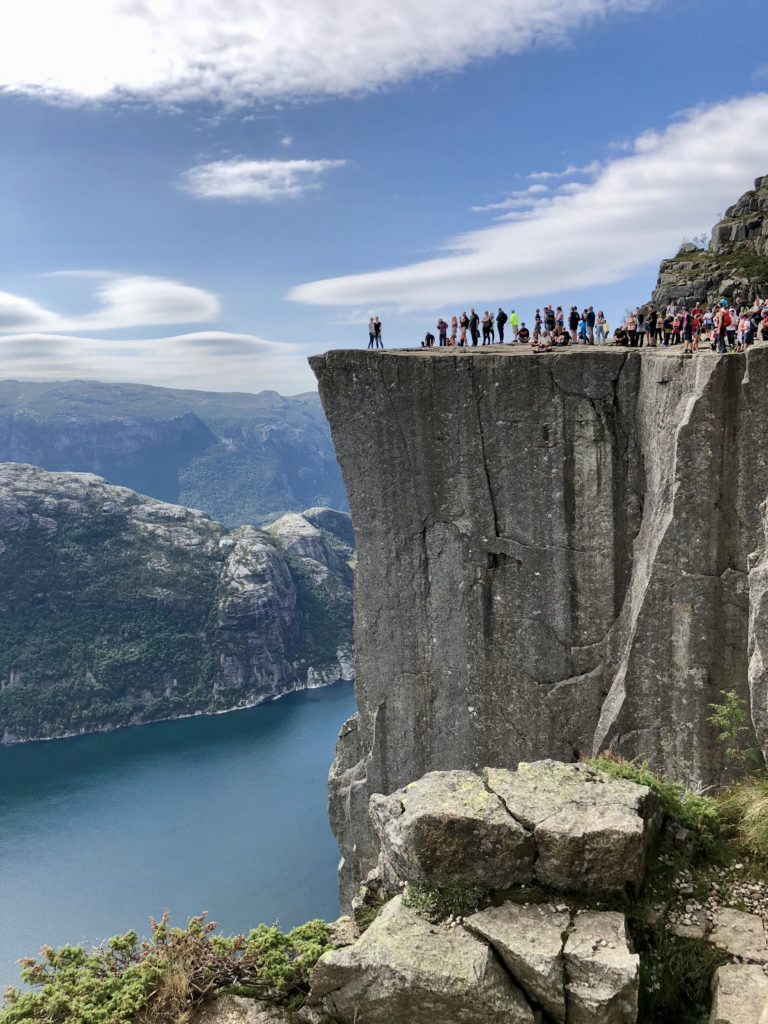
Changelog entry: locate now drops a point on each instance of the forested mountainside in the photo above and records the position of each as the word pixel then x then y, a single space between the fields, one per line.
pixel 117 609
pixel 242 458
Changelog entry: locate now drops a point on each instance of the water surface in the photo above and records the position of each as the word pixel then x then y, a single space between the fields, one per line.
pixel 225 814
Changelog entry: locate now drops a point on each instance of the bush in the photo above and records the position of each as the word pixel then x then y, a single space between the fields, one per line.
pixel 699 814
pixel 745 808
pixel 160 980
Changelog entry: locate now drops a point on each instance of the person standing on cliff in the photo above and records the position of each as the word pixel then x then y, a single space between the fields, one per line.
pixel 573 324
pixel 377 332
pixel 501 319
pixel 371 333
pixel 591 319
pixel 514 323
pixel 463 325
pixel 474 330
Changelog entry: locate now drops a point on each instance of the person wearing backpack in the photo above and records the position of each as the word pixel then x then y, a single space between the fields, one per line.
pixel 573 323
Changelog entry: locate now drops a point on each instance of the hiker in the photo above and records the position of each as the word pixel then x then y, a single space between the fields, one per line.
pixel 454 330
pixel 524 335
pixel 487 327
pixel 573 323
pixel 463 325
pixel 501 319
pixel 601 333
pixel 591 321
pixel 377 332
pixel 371 333
pixel 474 326
pixel 514 323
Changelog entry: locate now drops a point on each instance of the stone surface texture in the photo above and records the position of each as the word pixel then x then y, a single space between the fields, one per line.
pixel 591 831
pixel 236 1010
pixel 739 995
pixel 557 554
pixel 404 970
pixel 447 828
pixel 740 934
pixel 602 974
pixel 529 939
pixel 734 266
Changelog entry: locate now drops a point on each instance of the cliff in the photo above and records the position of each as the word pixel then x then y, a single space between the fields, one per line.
pixel 242 458
pixel 117 609
pixel 735 265
pixel 557 554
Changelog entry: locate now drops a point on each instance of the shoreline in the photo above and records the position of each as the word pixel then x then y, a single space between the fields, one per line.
pixel 248 706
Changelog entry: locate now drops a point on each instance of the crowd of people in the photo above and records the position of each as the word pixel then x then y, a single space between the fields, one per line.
pixel 730 326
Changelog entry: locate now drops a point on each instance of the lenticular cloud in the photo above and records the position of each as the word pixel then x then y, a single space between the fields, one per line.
pixel 183 50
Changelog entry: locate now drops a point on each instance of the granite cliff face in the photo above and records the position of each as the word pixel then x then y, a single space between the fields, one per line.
pixel 557 554
pixel 734 266
pixel 117 609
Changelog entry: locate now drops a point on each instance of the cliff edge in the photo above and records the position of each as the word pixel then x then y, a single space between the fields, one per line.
pixel 557 554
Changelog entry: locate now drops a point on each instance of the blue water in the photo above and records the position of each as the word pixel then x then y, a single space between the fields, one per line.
pixel 225 814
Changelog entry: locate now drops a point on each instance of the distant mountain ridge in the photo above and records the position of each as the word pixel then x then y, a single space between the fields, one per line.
pixel 118 609
pixel 242 458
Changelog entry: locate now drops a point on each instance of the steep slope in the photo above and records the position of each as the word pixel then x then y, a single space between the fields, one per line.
pixel 116 608
pixel 735 265
pixel 554 558
pixel 242 458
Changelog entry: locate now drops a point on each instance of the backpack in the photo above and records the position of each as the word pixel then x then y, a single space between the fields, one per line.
pixel 727 322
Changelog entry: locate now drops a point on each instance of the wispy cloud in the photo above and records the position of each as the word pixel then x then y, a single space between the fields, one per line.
pixel 121 302
pixel 185 50
pixel 568 172
pixel 637 210
pixel 215 360
pixel 520 199
pixel 260 180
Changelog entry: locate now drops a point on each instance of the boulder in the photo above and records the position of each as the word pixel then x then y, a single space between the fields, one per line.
pixel 529 939
pixel 591 831
pixel 739 995
pixel 404 970
pixel 236 1010
pixel 740 934
pixel 448 829
pixel 602 975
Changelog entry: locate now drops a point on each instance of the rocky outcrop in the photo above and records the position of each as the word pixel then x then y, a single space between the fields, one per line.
pixel 557 555
pixel 567 826
pixel 406 971
pixel 734 266
pixel 739 995
pixel 117 609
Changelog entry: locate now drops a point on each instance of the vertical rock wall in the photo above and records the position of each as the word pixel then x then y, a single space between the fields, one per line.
pixel 553 558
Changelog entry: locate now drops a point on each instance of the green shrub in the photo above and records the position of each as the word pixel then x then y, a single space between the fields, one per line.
pixel 161 979
pixel 676 977
pixel 745 808
pixel 700 814
pixel 437 904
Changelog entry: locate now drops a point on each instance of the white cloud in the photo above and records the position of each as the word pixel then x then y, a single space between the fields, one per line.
pixel 214 360
pixel 636 211
pixel 519 199
pixel 261 180
pixel 568 172
pixel 182 50
pixel 123 302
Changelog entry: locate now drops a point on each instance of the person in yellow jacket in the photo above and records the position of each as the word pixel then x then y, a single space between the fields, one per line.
pixel 514 323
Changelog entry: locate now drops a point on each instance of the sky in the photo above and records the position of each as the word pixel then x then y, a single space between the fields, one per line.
pixel 202 193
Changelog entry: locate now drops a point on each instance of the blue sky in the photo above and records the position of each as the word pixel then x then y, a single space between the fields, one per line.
pixel 194 201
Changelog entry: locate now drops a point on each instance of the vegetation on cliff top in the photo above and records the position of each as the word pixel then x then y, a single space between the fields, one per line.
pixel 160 980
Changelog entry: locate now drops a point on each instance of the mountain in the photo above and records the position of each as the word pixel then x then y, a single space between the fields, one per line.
pixel 242 458
pixel 735 265
pixel 117 609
